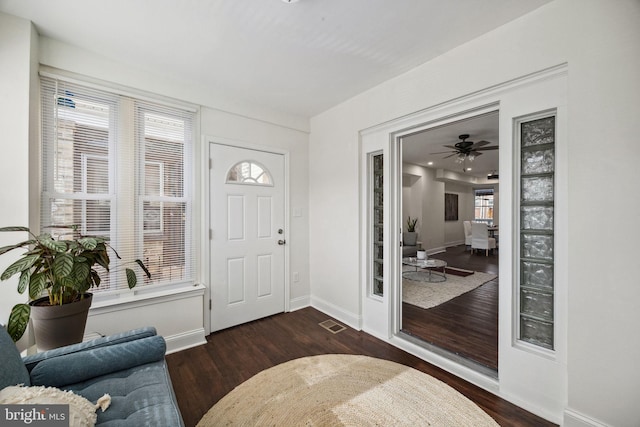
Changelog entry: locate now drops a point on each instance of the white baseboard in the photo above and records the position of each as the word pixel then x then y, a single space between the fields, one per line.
pixel 185 340
pixel 351 319
pixel 300 302
pixel 576 419
pixel 437 250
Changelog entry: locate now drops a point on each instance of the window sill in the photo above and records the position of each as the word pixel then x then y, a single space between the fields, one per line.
pixel 141 297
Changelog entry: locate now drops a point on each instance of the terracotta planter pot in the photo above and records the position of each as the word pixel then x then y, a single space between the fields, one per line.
pixel 59 325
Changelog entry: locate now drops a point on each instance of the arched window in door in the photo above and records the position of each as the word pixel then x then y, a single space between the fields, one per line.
pixel 249 172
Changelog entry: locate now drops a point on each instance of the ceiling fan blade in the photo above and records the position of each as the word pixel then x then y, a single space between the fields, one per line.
pixel 476 153
pixel 445 152
pixel 480 144
pixel 451 146
pixel 450 155
pixel 493 147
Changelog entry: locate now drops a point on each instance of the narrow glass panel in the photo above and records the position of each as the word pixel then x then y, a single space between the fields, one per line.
pixel 536 288
pixel 377 211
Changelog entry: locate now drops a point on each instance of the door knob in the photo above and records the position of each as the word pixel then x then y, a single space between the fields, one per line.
pixel 282 242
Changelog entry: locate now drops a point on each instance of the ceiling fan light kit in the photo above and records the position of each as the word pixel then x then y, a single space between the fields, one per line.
pixel 464 150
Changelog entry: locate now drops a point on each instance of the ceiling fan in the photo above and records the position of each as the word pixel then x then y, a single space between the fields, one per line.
pixel 466 149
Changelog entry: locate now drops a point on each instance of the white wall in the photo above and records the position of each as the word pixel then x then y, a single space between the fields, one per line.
pixel 603 302
pixel 66 57
pixel 423 198
pixel 17 40
pixel 454 230
pixel 426 199
pixel 21 49
pixel 600 40
pixel 214 122
pixel 220 124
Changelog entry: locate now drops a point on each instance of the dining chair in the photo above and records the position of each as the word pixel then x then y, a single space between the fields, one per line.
pixel 480 237
pixel 467 233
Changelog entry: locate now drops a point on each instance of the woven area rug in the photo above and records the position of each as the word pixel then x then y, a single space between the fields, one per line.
pixel 428 295
pixel 344 390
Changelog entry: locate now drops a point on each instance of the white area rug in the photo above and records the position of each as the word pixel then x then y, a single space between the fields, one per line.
pixel 344 390
pixel 428 295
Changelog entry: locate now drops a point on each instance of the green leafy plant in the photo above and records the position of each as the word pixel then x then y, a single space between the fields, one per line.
pixel 63 267
pixel 411 224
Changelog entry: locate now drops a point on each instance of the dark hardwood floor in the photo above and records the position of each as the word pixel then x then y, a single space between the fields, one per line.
pixel 460 256
pixel 467 325
pixel 203 375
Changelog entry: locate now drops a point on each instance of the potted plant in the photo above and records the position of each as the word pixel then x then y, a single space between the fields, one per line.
pixel 63 269
pixel 410 237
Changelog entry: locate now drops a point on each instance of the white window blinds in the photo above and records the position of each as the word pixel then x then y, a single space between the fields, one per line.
pixel 122 168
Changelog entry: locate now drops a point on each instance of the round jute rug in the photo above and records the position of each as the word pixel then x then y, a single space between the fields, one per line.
pixel 344 390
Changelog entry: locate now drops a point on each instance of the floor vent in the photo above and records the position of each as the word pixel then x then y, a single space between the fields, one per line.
pixel 332 326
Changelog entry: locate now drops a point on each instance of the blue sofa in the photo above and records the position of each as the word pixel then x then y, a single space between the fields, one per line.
pixel 129 366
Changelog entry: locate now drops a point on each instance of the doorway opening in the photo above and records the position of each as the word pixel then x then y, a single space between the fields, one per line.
pixel 450 291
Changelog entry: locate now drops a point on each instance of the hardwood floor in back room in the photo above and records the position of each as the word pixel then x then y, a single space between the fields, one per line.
pixel 468 324
pixel 203 375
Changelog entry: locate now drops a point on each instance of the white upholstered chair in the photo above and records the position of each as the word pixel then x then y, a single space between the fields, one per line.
pixel 480 237
pixel 467 233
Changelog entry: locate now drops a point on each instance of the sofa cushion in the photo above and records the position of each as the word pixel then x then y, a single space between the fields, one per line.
pixel 76 367
pixel 13 371
pixel 32 360
pixel 140 396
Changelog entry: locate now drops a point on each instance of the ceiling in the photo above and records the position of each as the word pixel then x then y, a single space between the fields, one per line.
pixel 418 148
pixel 299 58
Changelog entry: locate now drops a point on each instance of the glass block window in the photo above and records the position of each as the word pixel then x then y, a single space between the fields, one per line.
pixel 249 172
pixel 377 224
pixel 536 236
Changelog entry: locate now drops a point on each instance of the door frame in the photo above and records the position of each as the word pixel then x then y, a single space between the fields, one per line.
pixel 205 222
pixel 530 378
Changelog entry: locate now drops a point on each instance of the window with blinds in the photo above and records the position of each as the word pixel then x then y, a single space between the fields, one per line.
pixel 122 168
pixel 483 205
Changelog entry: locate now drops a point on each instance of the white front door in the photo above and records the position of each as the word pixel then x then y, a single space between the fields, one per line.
pixel 247 235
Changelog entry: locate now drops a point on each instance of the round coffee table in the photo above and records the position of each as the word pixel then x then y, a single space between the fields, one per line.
pixel 425 269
